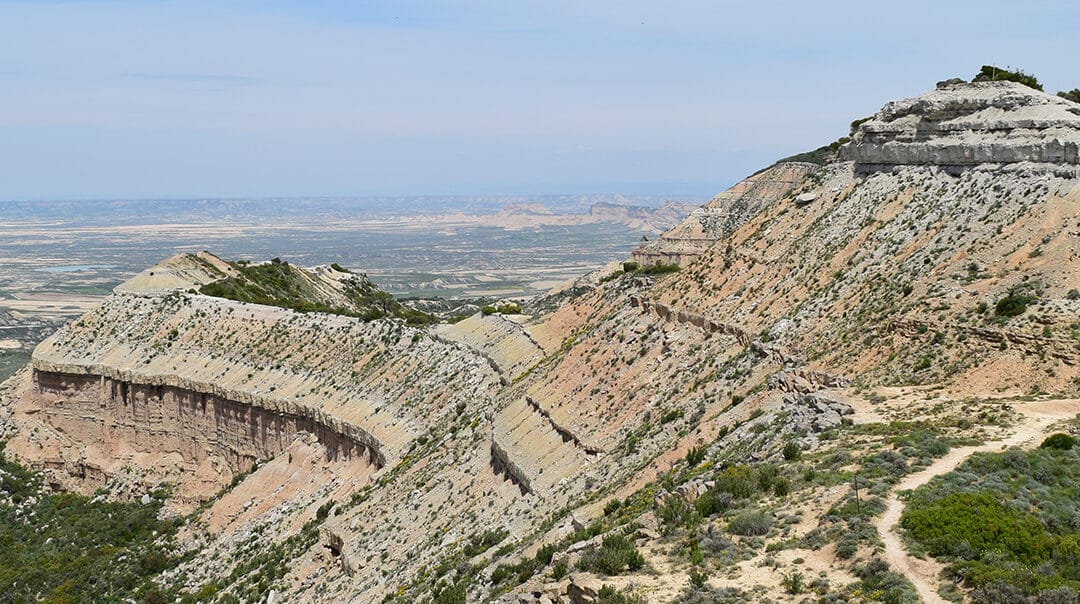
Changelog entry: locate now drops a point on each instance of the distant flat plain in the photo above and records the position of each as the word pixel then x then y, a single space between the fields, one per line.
pixel 60 258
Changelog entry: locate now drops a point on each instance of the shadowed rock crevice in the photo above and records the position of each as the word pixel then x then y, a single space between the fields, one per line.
pixel 567 435
pixel 503 466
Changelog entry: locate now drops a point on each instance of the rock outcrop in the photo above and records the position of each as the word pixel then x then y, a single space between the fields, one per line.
pixel 957 127
pixel 509 346
pixel 960 126
pixel 723 214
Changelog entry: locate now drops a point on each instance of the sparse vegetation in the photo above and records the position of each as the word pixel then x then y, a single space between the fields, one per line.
pixel 507 308
pixel 278 283
pixel 989 73
pixel 616 555
pixel 1071 95
pixel 63 547
pixel 484 541
pixel 751 523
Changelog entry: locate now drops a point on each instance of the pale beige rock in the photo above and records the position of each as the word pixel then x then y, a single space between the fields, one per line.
pixel 961 125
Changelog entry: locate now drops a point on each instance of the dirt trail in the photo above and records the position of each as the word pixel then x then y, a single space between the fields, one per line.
pixel 1038 416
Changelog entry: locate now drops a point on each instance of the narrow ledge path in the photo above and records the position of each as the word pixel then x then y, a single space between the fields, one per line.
pixel 923 573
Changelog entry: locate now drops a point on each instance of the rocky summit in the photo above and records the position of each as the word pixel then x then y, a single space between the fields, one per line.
pixel 728 416
pixel 962 125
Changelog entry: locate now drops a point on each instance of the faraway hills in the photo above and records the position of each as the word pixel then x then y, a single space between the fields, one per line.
pixel 730 415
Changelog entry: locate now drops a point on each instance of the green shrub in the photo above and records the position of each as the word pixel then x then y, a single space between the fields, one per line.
pixel 1012 305
pixel 846 548
pixel 999 592
pixel 546 553
pixel 875 577
pixel 859 122
pixel 1060 595
pixel 612 506
pixel 1028 498
pixel 481 543
pixel 736 480
pixel 792 451
pixel 793 583
pixel 1071 95
pixel 613 276
pixel 659 268
pixel 324 510
pixel 670 415
pixel 754 523
pixel 616 555
pixel 607 594
pixel 821 155
pixel 62 547
pixel 675 513
pixel 1059 441
pixel 454 594
pixel 509 308
pixel 695 456
pixel 851 508
pixel 766 476
pixel 560 570
pixel 277 283
pixel 967 525
pixel 712 502
pixel 781 487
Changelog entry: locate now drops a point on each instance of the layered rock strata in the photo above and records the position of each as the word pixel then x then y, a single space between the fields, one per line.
pixel 189 386
pixel 722 215
pixel 959 126
pixel 95 409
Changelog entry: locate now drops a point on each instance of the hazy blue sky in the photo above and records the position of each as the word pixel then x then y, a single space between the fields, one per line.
pixel 251 98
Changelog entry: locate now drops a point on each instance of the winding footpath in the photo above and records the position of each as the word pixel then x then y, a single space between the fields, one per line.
pixel 923 574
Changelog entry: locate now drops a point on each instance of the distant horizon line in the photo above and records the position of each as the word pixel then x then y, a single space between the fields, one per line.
pixel 368 196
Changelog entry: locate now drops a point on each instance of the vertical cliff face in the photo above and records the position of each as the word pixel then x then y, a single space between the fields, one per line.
pixel 197 440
